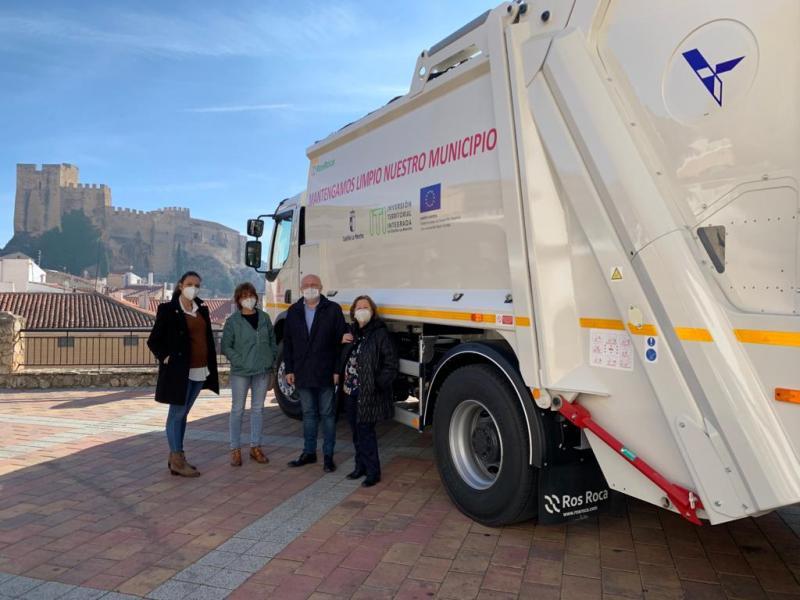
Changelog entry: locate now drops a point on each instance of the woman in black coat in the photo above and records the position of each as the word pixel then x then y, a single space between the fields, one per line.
pixel 183 343
pixel 369 367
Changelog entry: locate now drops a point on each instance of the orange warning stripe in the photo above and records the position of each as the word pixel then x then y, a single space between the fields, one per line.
pixel 772 338
pixel 787 395
pixel 701 334
pixel 447 315
pixel 694 334
pixel 588 323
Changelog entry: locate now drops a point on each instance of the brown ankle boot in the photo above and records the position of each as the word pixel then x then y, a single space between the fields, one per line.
pixel 178 466
pixel 236 457
pixel 257 455
pixel 188 464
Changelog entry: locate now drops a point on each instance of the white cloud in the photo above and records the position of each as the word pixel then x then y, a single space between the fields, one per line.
pixel 205 33
pixel 240 108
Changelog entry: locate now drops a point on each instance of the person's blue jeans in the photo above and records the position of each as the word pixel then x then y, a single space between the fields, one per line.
pixel 177 415
pixel 257 384
pixel 317 404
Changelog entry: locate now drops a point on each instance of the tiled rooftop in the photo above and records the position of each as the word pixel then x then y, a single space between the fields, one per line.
pixel 76 310
pixel 219 308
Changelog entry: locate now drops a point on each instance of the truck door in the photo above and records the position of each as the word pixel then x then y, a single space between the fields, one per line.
pixel 282 274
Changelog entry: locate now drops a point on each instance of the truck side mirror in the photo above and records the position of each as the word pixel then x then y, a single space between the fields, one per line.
pixel 255 227
pixel 252 253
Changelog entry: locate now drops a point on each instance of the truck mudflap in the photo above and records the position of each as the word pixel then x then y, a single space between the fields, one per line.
pixel 684 501
pixel 575 491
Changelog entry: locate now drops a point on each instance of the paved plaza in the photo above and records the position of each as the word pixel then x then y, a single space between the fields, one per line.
pixel 89 510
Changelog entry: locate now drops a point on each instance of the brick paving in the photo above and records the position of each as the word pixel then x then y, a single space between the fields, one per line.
pixel 89 510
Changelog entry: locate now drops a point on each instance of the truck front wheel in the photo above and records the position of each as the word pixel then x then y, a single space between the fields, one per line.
pixel 285 393
pixel 481 446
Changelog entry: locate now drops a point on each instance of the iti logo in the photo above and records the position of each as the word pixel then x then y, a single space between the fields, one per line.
pixel 708 75
pixel 377 221
pixel 430 198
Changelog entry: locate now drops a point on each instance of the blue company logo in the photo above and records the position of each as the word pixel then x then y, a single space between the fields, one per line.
pixel 651 354
pixel 651 341
pixel 430 198
pixel 708 75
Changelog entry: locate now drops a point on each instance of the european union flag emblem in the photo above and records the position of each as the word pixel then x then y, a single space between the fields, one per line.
pixel 430 198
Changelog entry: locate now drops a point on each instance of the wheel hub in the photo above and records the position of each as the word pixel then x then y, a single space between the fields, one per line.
pixel 486 444
pixel 476 446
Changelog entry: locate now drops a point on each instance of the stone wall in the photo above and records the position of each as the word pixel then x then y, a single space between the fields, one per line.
pixel 40 379
pixel 12 348
pixel 146 240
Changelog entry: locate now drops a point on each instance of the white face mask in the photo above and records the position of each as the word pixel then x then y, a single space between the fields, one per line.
pixel 363 315
pixel 189 292
pixel 249 303
pixel 311 293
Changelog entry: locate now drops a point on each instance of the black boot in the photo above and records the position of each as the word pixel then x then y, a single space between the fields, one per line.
pixel 329 467
pixel 357 473
pixel 305 459
pixel 371 480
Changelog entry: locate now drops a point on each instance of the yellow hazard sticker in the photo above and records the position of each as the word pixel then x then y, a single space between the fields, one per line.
pixel 616 274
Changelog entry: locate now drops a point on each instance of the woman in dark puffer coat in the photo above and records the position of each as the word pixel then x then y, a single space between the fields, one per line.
pixel 369 367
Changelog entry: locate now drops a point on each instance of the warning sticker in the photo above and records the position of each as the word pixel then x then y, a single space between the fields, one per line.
pixel 651 349
pixel 616 274
pixel 610 349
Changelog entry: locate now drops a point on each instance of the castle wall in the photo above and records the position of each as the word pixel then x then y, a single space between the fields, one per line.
pixel 92 199
pixel 37 206
pixel 146 240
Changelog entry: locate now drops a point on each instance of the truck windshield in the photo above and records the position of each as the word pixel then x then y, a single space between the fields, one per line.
pixel 282 237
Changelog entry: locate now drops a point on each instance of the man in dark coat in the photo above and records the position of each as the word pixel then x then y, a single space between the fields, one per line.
pixel 312 339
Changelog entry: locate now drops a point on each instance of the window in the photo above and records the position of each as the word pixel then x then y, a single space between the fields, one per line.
pixel 130 341
pixel 281 240
pixel 713 240
pixel 66 342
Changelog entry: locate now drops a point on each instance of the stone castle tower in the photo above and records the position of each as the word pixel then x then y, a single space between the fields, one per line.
pixel 145 240
pixel 43 196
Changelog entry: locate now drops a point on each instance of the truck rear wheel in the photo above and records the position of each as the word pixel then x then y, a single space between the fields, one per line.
pixel 481 445
pixel 284 392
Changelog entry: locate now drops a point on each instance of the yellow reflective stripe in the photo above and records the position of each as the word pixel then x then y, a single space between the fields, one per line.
pixel 773 338
pixel 433 314
pixel 700 334
pixel 602 324
pixel 277 305
pixel 450 315
pixel 693 334
pixel 645 329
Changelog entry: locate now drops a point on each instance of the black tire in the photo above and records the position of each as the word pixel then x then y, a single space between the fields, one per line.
pixel 477 412
pixel 283 391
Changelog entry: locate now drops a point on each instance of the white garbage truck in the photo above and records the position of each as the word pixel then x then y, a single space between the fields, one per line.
pixel 581 224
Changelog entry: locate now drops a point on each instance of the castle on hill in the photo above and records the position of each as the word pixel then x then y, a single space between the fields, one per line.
pixel 146 240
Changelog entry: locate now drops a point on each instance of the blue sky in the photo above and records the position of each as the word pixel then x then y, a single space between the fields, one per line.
pixel 208 105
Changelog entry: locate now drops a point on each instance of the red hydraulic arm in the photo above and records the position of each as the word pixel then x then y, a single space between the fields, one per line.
pixel 685 501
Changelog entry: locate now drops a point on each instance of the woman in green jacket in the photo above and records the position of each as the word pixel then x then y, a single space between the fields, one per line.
pixel 249 343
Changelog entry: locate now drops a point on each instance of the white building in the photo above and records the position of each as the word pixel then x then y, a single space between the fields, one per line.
pixel 19 273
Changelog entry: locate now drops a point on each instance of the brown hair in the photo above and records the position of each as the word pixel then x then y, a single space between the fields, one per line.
pixel 372 305
pixel 243 290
